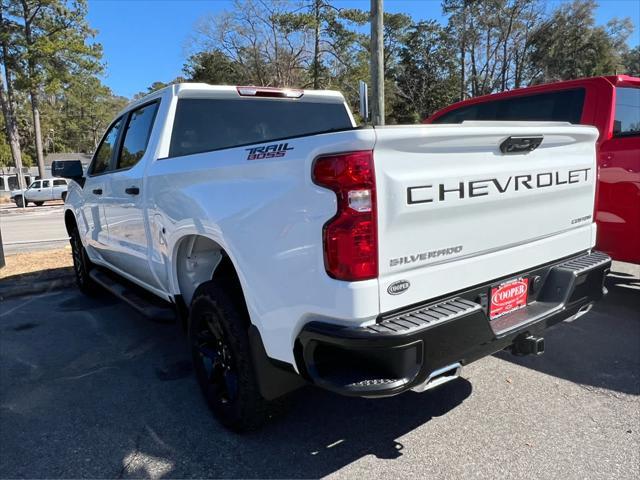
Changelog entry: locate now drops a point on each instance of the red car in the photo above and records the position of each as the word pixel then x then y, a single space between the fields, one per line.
pixel 612 105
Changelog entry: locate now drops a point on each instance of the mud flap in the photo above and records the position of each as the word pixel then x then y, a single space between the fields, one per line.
pixel 273 380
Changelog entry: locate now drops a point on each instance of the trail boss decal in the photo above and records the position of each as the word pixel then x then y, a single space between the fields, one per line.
pixel 274 150
pixel 494 186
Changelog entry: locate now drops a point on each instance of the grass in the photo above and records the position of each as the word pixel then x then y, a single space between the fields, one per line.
pixel 36 262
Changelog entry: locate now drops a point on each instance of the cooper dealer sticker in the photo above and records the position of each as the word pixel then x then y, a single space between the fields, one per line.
pixel 508 297
pixel 396 288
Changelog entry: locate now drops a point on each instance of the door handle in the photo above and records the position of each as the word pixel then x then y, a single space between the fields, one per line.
pixel 132 190
pixel 517 144
pixel 97 191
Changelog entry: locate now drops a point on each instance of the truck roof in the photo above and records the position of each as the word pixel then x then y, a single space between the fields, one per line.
pixel 204 90
pixel 615 80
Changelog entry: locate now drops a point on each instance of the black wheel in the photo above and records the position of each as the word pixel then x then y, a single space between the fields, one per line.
pixel 64 196
pixel 20 202
pixel 81 264
pixel 39 204
pixel 218 335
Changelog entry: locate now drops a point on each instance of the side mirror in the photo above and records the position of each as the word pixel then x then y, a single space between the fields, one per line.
pixel 71 169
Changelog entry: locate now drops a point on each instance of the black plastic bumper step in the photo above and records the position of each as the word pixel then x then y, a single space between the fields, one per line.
pixel 425 317
pixel 145 303
pixel 586 262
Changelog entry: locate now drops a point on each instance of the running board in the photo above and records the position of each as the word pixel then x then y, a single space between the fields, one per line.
pixel 145 303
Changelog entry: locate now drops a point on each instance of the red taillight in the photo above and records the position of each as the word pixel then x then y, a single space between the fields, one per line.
pixel 351 237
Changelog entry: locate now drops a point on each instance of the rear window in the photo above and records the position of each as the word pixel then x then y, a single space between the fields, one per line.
pixel 562 106
pixel 202 125
pixel 627 117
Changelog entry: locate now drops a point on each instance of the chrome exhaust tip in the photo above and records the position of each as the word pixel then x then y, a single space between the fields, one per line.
pixel 440 376
pixel 583 310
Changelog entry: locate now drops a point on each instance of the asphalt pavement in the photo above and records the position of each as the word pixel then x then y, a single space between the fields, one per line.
pixel 90 389
pixel 32 228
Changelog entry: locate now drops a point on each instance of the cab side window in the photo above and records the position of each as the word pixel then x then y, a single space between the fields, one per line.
pixel 627 117
pixel 46 184
pixel 103 155
pixel 59 183
pixel 136 135
pixel 35 184
pixel 560 106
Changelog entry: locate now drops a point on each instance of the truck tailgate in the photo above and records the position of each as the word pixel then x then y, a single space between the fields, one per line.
pixel 455 211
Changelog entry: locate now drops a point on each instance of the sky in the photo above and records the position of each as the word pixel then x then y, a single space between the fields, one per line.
pixel 148 40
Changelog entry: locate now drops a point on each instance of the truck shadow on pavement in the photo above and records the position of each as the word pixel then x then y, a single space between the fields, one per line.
pixel 90 389
pixel 600 349
pixel 325 432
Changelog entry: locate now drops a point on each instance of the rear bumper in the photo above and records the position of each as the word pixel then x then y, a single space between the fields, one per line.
pixel 403 349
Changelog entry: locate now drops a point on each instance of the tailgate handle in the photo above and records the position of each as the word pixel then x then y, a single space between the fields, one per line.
pixel 513 145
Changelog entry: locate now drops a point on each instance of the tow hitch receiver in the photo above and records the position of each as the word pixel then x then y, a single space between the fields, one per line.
pixel 529 345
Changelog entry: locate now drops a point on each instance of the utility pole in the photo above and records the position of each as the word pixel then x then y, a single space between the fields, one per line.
pixel 377 63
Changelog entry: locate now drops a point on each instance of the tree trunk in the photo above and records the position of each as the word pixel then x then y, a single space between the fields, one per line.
pixel 316 47
pixel 10 124
pixel 37 131
pixel 516 70
pixel 463 53
pixel 377 63
pixel 505 68
pixel 505 65
pixel 474 72
pixel 462 20
pixel 8 112
pixel 33 91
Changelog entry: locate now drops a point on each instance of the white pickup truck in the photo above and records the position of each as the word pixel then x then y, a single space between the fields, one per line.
pixel 40 191
pixel 298 248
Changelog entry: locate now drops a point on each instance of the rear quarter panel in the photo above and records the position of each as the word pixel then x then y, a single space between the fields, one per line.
pixel 268 216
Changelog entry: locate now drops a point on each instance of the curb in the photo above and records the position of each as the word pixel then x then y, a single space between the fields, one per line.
pixel 26 287
pixel 626 268
pixel 30 209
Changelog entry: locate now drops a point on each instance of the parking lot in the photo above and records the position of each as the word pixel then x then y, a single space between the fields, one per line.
pixel 32 228
pixel 90 389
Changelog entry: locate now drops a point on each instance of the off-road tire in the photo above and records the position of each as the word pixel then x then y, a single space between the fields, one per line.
pixel 81 265
pixel 19 202
pixel 215 309
pixel 39 204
